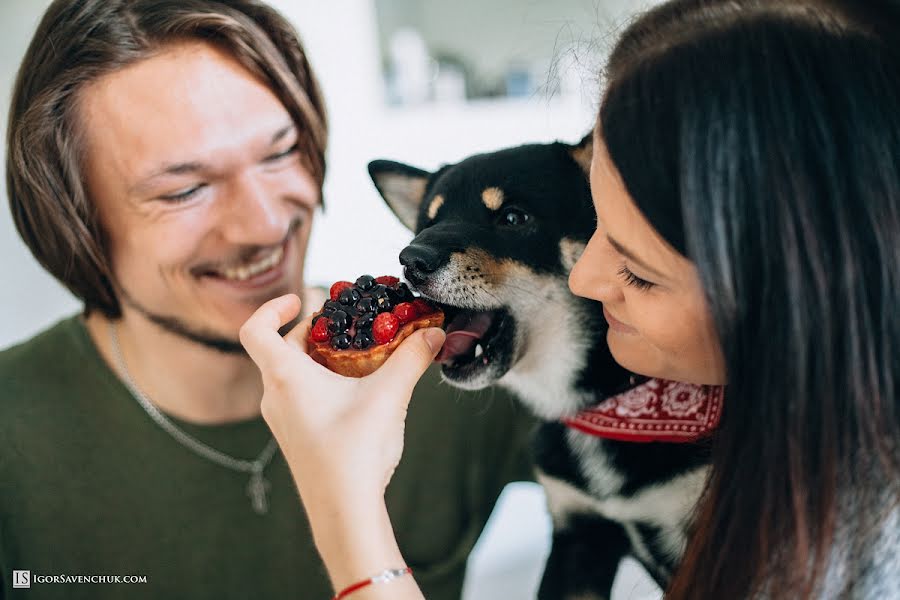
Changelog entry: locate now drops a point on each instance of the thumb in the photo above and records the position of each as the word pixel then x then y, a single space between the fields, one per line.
pixel 410 360
pixel 259 335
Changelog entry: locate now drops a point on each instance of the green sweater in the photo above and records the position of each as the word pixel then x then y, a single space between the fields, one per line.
pixel 89 486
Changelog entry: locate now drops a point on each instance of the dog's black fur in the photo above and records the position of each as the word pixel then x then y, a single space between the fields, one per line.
pixel 498 261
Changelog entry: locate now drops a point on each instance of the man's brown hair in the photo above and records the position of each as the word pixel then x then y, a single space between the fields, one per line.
pixel 78 41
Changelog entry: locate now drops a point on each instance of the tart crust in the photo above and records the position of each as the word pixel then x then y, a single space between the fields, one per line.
pixel 359 363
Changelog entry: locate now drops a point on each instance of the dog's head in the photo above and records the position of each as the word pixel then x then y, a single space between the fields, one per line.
pixel 496 237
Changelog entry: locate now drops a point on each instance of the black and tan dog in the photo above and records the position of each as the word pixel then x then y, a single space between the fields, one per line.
pixel 496 237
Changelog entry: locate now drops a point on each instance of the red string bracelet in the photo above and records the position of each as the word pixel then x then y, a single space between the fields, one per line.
pixel 385 576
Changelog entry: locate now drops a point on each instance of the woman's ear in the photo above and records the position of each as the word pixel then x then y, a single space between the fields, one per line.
pixel 402 187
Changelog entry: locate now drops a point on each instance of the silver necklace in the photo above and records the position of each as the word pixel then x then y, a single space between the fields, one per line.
pixel 257 487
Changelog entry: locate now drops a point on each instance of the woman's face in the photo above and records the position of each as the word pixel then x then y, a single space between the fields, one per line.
pixel 659 323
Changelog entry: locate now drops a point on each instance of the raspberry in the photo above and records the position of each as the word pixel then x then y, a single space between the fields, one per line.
pixel 406 312
pixel 388 280
pixel 319 331
pixel 422 307
pixel 339 287
pixel 385 327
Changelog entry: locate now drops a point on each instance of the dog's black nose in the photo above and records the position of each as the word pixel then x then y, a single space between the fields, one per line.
pixel 418 262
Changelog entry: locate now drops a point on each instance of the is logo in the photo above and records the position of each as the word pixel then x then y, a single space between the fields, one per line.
pixel 21 579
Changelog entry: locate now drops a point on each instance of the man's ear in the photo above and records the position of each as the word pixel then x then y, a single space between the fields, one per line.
pixel 402 187
pixel 583 152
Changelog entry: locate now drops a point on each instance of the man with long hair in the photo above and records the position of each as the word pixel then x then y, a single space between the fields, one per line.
pixel 165 163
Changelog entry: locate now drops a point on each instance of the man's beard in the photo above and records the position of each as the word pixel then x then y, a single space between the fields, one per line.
pixel 197 335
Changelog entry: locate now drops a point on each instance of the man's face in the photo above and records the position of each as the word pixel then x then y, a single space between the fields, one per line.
pixel 193 167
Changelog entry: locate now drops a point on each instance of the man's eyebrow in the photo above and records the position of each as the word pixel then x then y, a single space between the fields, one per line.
pixel 281 133
pixel 632 257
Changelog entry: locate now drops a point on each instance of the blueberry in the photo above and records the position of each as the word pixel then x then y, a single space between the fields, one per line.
pixel 340 342
pixel 406 294
pixel 378 291
pixel 365 321
pixel 363 340
pixel 365 282
pixel 331 306
pixel 340 322
pixel 385 304
pixel 349 296
pixel 366 305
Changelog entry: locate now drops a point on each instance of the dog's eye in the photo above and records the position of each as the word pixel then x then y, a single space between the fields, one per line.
pixel 514 217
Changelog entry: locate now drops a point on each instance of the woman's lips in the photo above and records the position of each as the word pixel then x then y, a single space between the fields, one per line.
pixel 617 325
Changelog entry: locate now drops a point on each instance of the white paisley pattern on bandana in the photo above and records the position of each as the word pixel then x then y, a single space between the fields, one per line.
pixel 658 410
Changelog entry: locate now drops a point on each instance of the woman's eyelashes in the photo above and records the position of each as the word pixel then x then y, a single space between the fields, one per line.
pixel 632 279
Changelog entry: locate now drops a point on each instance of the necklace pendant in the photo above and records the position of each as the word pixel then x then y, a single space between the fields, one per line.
pixel 257 488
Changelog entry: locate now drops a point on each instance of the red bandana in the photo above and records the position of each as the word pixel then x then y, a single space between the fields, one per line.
pixel 655 411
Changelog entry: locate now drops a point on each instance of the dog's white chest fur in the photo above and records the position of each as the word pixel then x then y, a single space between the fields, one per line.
pixel 666 507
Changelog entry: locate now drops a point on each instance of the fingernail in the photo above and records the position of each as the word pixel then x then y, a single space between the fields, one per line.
pixel 434 337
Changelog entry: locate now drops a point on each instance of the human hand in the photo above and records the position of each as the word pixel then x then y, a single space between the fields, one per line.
pixel 341 436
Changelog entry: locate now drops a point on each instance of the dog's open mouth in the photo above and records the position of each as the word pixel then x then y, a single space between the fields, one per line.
pixel 476 341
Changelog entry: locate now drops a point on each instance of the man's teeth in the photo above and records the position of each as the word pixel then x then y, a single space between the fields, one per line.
pixel 245 272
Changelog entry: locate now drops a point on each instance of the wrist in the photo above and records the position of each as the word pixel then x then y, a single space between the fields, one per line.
pixel 355 540
pixel 385 577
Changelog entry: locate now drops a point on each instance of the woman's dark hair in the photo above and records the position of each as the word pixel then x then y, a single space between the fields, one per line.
pixel 78 41
pixel 762 139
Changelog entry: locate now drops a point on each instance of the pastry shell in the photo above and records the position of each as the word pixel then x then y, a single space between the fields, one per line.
pixel 359 363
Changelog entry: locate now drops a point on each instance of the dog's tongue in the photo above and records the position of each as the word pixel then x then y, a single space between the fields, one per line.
pixel 463 333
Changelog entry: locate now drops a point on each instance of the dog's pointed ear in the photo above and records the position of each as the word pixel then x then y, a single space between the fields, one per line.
pixel 402 187
pixel 583 152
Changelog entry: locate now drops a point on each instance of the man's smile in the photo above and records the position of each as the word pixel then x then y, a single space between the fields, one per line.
pixel 266 262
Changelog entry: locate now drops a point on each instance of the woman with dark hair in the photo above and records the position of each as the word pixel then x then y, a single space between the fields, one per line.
pixel 747 185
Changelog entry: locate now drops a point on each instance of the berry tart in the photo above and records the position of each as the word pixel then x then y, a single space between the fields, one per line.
pixel 364 322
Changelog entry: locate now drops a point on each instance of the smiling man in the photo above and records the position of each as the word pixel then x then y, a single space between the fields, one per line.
pixel 206 206
pixel 165 163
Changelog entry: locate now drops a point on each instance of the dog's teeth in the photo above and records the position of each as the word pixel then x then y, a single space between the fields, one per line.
pixel 478 350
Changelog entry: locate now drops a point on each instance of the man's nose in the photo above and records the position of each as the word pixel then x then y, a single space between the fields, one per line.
pixel 595 275
pixel 253 214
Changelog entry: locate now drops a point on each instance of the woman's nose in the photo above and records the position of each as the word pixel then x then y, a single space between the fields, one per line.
pixel 594 275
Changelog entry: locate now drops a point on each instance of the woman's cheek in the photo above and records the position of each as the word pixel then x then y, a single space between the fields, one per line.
pixel 659 318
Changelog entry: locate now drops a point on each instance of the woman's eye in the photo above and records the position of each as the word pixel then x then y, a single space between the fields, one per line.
pixel 515 217
pixel 280 155
pixel 632 279
pixel 183 195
